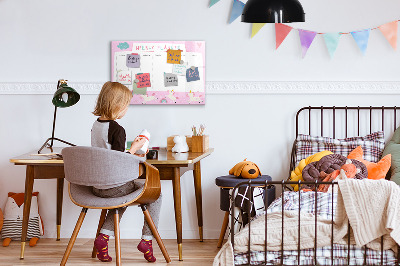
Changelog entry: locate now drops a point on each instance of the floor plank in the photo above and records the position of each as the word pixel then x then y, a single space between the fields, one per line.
pixel 49 252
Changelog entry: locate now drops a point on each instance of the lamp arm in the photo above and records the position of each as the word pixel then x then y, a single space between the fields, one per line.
pixel 54 119
pixel 54 126
pixel 46 143
pixel 51 140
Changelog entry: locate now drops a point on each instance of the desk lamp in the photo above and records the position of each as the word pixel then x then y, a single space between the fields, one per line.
pixel 64 96
pixel 273 11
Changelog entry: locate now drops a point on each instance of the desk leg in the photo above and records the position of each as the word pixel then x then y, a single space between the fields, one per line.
pixel 176 182
pixel 60 190
pixel 199 204
pixel 27 206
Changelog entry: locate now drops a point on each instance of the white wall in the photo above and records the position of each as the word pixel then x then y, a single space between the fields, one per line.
pixel 42 41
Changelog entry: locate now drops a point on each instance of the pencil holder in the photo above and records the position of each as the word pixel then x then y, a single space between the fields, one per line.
pixel 200 143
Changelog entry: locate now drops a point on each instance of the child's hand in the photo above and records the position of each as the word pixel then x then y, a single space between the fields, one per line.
pixel 143 155
pixel 137 144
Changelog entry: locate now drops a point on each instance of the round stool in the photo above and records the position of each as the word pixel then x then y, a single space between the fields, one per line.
pixel 226 183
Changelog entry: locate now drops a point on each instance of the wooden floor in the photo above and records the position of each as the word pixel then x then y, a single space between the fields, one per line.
pixel 50 252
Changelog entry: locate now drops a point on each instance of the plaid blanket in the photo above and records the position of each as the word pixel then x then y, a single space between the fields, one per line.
pixel 324 257
pixel 323 205
pixel 306 201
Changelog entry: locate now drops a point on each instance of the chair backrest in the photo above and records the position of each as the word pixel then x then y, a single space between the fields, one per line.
pixel 92 166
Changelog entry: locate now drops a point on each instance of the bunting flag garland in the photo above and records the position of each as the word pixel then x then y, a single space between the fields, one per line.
pixel 256 27
pixel 389 30
pixel 306 39
pixel 361 37
pixel 237 9
pixel 332 41
pixel 213 2
pixel 281 31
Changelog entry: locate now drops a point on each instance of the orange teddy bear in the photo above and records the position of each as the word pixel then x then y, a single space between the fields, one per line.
pixel 245 169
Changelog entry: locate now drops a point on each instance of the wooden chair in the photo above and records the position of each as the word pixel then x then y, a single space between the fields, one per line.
pixel 85 167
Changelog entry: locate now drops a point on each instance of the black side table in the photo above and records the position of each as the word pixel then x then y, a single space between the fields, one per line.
pixel 226 183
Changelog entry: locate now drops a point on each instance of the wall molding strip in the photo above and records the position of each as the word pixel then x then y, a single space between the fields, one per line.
pixel 232 87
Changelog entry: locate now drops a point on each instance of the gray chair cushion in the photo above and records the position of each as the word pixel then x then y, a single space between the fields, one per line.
pixel 84 196
pixel 99 167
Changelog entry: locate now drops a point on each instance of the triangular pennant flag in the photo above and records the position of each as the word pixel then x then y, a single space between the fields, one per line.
pixel 237 9
pixel 213 2
pixel 389 30
pixel 306 39
pixel 281 31
pixel 256 28
pixel 332 41
pixel 361 37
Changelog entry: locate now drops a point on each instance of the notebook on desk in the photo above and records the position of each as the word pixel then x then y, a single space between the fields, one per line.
pixel 50 156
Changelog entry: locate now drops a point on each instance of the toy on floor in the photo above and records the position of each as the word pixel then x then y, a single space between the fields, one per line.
pixel 245 169
pixel 180 144
pixel 13 215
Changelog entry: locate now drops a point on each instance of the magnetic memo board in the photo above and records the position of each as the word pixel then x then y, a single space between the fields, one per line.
pixel 160 72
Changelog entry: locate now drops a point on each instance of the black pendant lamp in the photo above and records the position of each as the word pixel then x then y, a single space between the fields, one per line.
pixel 273 11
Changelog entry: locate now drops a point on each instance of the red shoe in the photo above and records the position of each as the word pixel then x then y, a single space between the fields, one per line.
pixel 101 245
pixel 146 247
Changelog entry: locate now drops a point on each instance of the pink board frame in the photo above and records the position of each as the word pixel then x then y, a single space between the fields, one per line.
pixel 167 96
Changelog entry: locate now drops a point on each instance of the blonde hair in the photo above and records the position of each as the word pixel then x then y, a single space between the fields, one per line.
pixel 112 99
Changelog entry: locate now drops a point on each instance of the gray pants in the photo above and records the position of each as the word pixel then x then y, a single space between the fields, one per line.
pixel 154 208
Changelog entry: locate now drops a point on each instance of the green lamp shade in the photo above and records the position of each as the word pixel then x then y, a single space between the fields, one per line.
pixel 65 96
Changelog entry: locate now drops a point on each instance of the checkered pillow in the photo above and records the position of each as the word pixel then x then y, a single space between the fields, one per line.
pixel 372 145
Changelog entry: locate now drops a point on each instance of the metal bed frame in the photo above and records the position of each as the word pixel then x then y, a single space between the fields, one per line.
pixel 283 184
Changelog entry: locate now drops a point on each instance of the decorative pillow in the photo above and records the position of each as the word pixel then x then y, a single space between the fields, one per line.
pixel 327 165
pixel 296 174
pixel 372 144
pixel 393 148
pixel 375 170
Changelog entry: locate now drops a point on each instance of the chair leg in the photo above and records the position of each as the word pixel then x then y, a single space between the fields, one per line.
pixel 73 237
pixel 101 222
pixel 154 230
pixel 117 239
pixel 223 229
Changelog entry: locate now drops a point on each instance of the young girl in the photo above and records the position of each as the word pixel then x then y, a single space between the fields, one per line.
pixel 112 104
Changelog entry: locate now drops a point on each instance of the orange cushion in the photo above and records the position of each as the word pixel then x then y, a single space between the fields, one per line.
pixel 375 170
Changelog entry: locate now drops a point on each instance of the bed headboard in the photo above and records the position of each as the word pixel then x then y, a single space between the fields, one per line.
pixel 344 121
pixel 348 115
